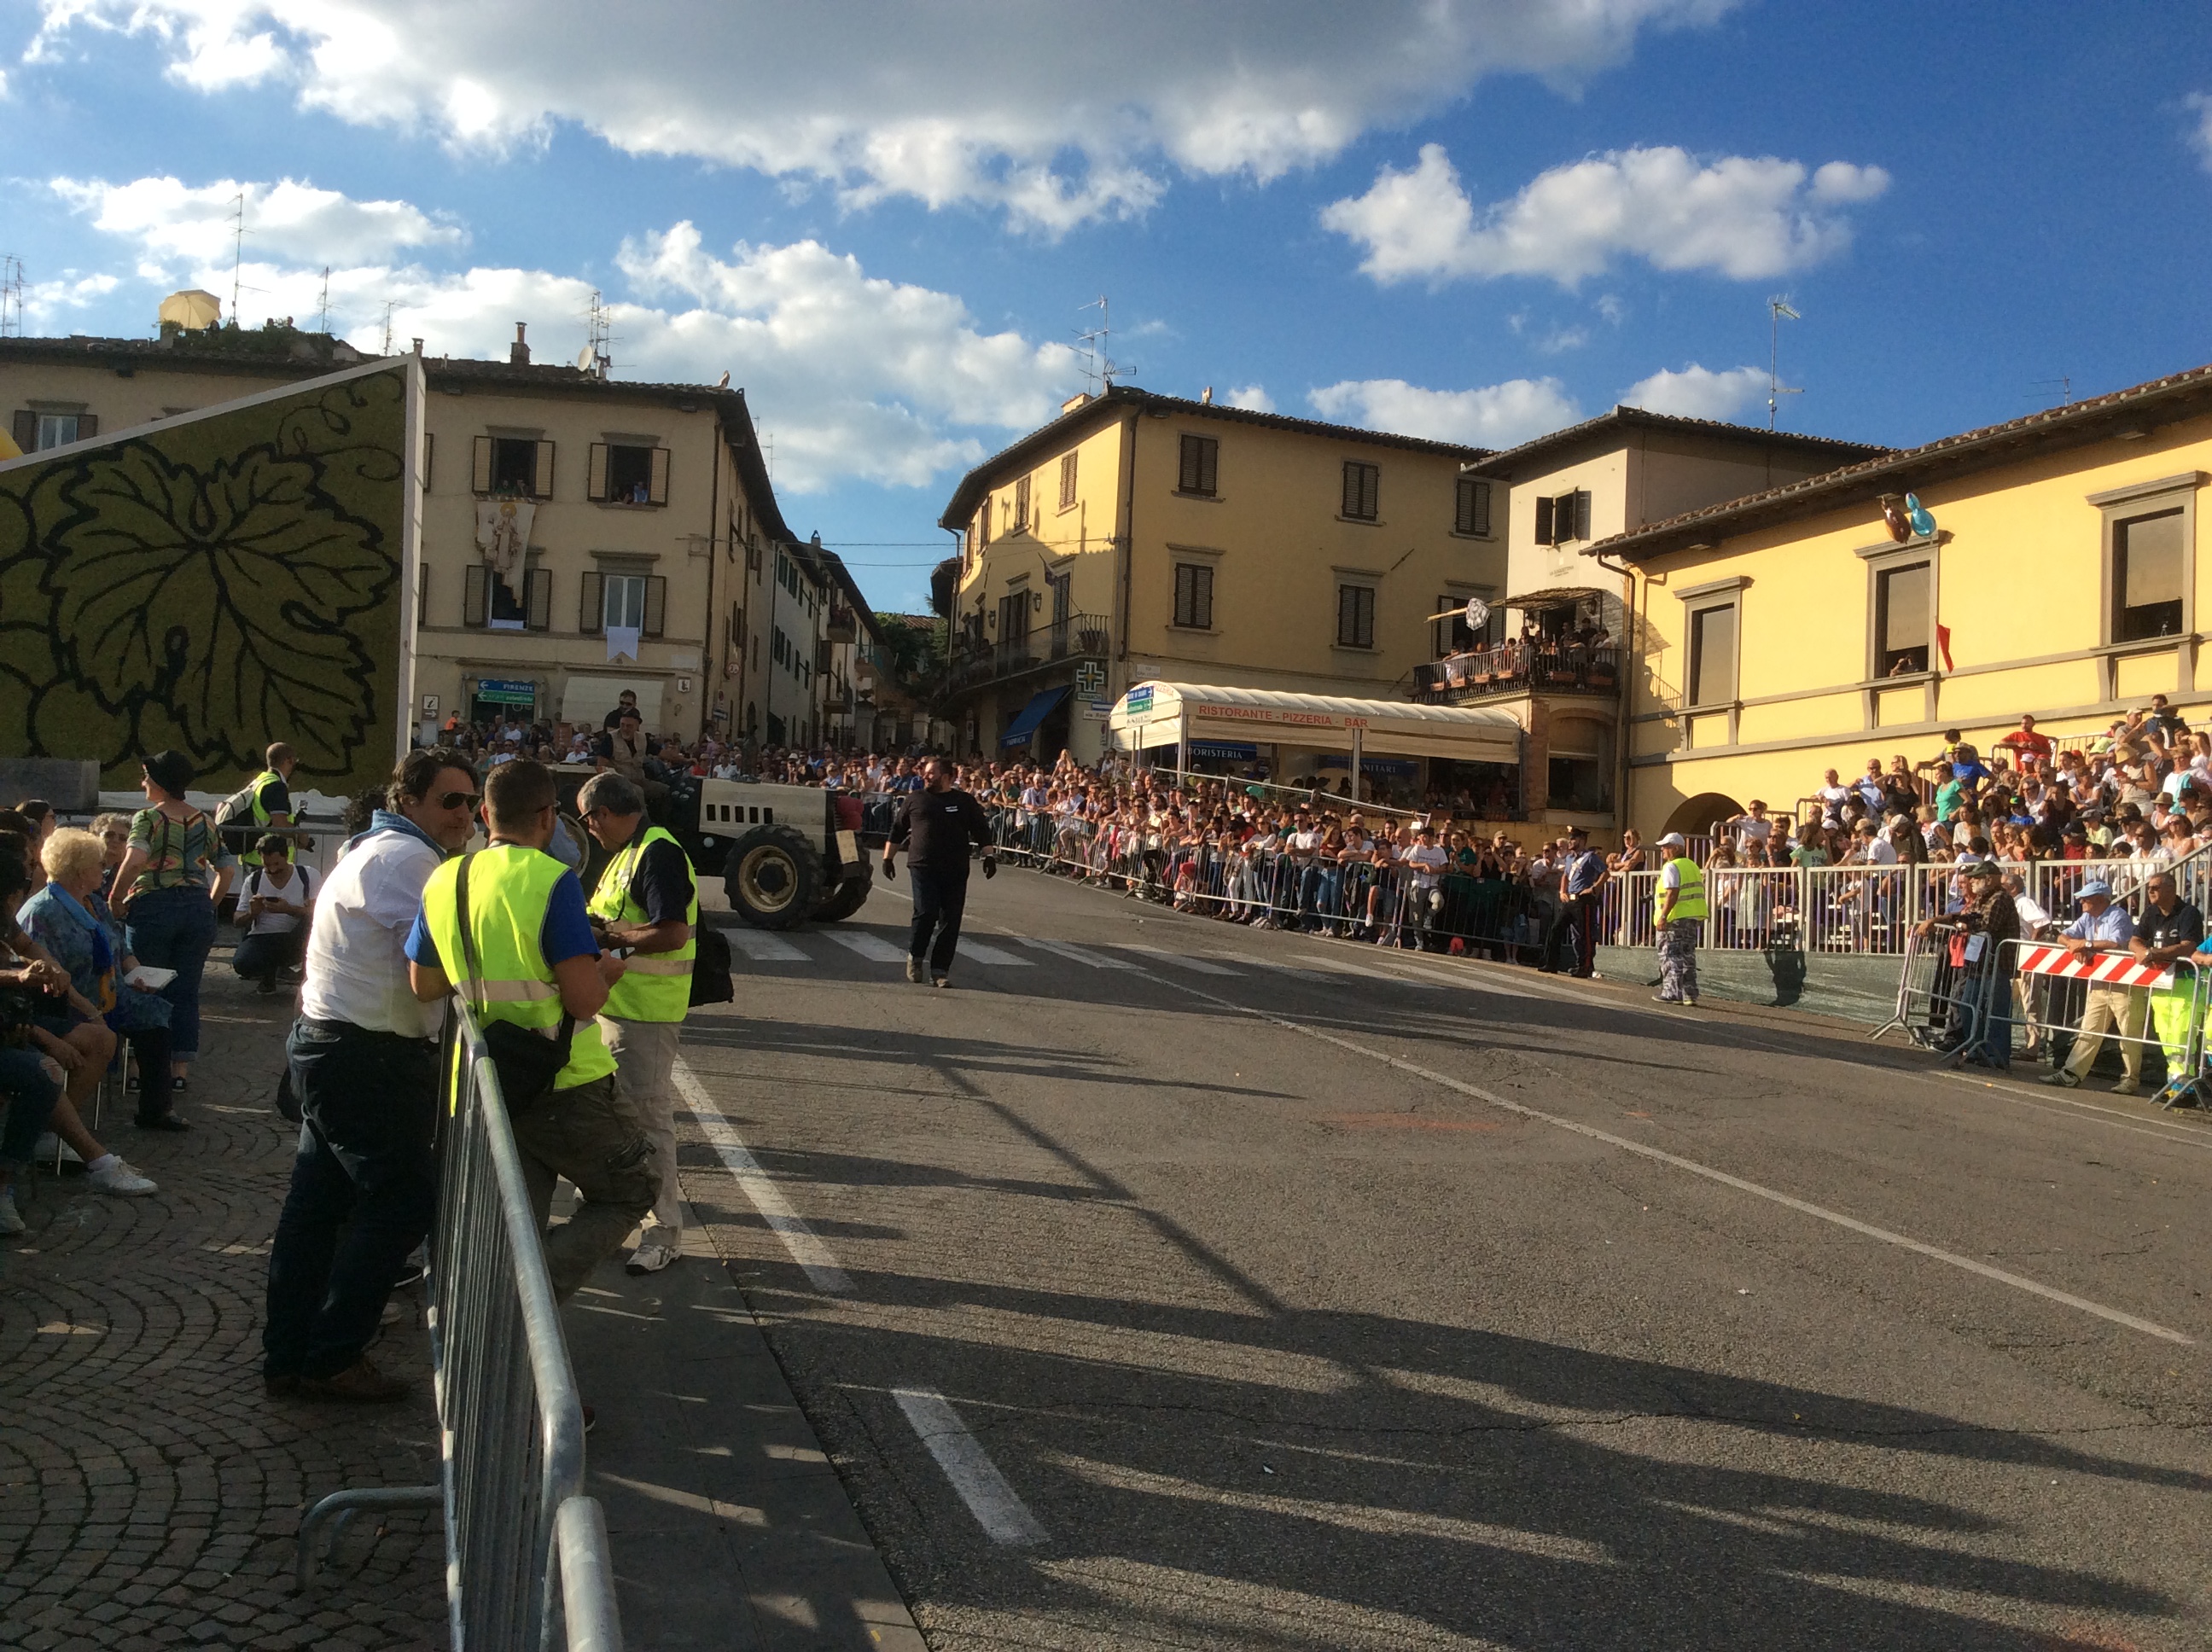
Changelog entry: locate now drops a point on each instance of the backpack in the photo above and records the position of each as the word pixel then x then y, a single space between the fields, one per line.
pixel 235 813
pixel 710 967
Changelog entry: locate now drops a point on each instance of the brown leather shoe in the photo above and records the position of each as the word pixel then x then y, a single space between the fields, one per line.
pixel 359 1384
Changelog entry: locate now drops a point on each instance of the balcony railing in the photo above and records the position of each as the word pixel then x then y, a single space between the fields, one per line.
pixel 980 659
pixel 1518 668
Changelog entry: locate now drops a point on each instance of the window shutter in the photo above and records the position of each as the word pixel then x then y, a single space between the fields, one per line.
pixel 537 600
pixel 1066 480
pixel 591 615
pixel 1187 474
pixel 88 426
pixel 429 450
pixel 1482 508
pixel 1370 491
pixel 542 482
pixel 656 603
pixel 595 474
pixel 480 475
pixel 1544 522
pixel 1202 599
pixel 1351 490
pixel 1582 513
pixel 26 429
pixel 1209 457
pixel 422 596
pixel 658 491
pixel 476 595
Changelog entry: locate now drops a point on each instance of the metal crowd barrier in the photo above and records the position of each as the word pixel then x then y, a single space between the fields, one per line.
pixel 526 1561
pixel 1940 1003
pixel 2051 988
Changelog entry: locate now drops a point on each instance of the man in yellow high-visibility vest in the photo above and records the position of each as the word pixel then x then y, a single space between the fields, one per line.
pixel 646 900
pixel 537 963
pixel 1677 914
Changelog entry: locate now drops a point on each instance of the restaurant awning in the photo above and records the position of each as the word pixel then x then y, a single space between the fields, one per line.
pixel 1564 596
pixel 1167 714
pixel 1029 716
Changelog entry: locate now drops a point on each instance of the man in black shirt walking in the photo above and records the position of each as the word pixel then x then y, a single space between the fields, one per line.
pixel 936 826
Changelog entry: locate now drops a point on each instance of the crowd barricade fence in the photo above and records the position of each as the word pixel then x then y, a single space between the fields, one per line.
pixel 2041 991
pixel 526 1560
pixel 1940 1002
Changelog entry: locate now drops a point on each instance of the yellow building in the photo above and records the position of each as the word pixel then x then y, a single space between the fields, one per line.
pixel 1794 630
pixel 1140 537
pixel 654 558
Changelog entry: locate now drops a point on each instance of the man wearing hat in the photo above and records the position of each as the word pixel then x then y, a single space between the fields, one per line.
pixel 1679 916
pixel 1574 930
pixel 2104 927
pixel 2172 929
pixel 1986 977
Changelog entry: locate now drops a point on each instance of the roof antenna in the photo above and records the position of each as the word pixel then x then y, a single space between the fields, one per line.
pixel 596 319
pixel 237 250
pixel 11 296
pixel 2065 388
pixel 1777 308
pixel 389 306
pixel 323 325
pixel 1097 363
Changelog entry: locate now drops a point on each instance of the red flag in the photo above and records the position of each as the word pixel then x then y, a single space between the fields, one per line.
pixel 1943 641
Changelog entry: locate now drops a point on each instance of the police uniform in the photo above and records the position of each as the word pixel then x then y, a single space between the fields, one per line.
pixel 522 904
pixel 645 1010
pixel 1678 941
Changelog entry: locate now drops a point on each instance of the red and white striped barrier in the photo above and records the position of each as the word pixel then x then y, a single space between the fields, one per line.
pixel 2112 969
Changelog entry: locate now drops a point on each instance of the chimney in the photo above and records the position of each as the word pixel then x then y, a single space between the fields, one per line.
pixel 418 347
pixel 518 353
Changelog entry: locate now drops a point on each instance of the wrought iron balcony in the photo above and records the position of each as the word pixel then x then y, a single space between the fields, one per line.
pixel 977 658
pixel 1512 668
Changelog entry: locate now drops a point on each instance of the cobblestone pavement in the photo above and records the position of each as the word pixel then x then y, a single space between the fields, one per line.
pixel 149 1492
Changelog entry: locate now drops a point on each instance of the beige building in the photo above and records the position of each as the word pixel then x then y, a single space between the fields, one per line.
pixel 581 535
pixel 1552 650
pixel 1140 537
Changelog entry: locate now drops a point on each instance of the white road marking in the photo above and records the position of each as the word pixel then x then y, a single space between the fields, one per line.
pixel 874 948
pixel 1641 1150
pixel 1096 960
pixel 763 945
pixel 1181 960
pixel 998 1508
pixel 804 1244
pixel 978 952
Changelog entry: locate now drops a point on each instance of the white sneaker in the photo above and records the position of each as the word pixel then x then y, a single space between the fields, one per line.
pixel 649 1258
pixel 118 1178
pixel 10 1222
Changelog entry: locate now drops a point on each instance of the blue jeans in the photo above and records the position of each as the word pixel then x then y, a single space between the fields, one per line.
pixel 364 1192
pixel 26 1101
pixel 939 899
pixel 172 929
pixel 1309 887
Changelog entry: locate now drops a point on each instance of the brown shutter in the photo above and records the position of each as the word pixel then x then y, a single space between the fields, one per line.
pixel 1482 509
pixel 542 482
pixel 595 474
pixel 476 595
pixel 591 613
pixel 656 603
pixel 657 491
pixel 1544 522
pixel 480 473
pixel 88 426
pixel 1351 500
pixel 537 600
pixel 1370 491
pixel 1202 599
pixel 26 429
pixel 1582 513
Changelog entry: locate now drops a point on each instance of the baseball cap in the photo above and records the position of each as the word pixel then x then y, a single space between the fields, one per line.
pixel 1675 840
pixel 2096 886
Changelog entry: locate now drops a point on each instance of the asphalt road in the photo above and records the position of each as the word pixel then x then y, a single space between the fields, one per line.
pixel 1171 1283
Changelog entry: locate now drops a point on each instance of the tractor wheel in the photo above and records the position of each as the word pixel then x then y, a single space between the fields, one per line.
pixel 773 877
pixel 848 898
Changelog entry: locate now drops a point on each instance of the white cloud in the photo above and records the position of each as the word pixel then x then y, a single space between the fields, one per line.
pixel 1698 392
pixel 43 301
pixel 861 377
pixel 1254 398
pixel 288 220
pixel 1561 339
pixel 1740 216
pixel 2199 103
pixel 1495 415
pixel 996 101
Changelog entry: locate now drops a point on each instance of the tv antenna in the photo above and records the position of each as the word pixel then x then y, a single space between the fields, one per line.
pixel 597 320
pixel 1098 365
pixel 11 296
pixel 2065 383
pixel 323 322
pixel 237 250
pixel 390 305
pixel 1776 308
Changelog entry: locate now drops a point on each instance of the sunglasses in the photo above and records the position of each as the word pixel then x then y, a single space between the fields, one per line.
pixel 459 800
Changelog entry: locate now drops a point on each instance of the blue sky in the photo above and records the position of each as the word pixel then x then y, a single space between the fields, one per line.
pixel 1470 219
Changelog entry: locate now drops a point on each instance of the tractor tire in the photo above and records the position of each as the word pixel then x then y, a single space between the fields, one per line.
pixel 773 877
pixel 848 898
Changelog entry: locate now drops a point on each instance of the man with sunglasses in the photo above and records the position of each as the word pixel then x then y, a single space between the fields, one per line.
pixel 364 1065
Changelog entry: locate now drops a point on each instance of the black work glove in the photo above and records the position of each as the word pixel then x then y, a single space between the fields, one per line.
pixel 990 866
pixel 890 869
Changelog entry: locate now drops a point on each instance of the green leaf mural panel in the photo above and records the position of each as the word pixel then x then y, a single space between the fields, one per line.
pixel 214 583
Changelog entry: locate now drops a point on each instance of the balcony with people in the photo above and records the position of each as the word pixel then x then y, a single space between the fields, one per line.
pixel 1563 648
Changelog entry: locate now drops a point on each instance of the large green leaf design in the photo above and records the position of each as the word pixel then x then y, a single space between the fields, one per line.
pixel 221 591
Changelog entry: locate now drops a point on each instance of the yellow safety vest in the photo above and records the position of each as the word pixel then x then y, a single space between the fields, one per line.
pixel 656 986
pixel 508 888
pixel 267 775
pixel 1689 900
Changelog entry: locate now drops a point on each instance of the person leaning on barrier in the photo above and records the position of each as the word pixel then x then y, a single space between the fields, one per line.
pixel 363 1060
pixel 2171 930
pixel 648 900
pixel 1679 916
pixel 1985 921
pixel 2104 928
pixel 936 827
pixel 541 966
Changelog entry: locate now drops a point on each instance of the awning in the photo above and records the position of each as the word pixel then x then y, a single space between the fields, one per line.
pixel 1564 596
pixel 1026 720
pixel 1163 713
